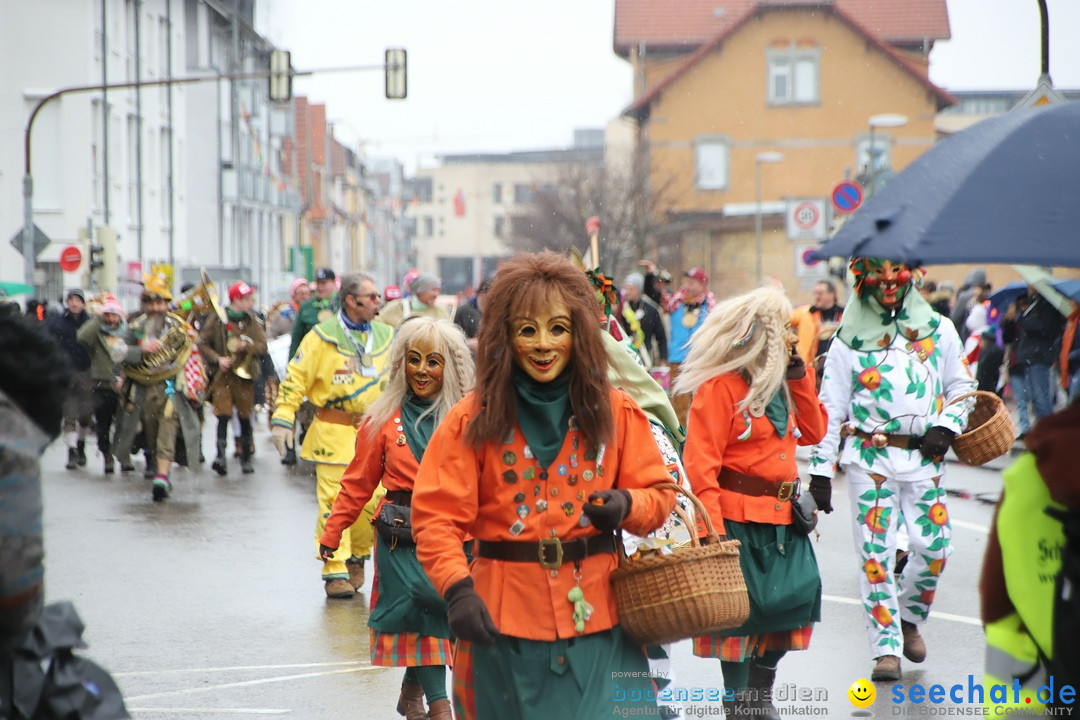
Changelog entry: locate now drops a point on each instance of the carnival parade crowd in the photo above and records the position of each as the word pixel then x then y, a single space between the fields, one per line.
pixel 489 463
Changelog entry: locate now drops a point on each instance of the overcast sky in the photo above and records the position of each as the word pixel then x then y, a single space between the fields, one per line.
pixel 499 75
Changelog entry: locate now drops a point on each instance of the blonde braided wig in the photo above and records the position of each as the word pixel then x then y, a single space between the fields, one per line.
pixel 744 334
pixel 458 372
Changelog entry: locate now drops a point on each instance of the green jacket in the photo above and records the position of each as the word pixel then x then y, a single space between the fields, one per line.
pixel 1028 546
pixel 99 346
pixel 308 317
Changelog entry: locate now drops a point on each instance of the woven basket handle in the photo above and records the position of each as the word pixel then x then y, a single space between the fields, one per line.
pixel 965 396
pixel 698 507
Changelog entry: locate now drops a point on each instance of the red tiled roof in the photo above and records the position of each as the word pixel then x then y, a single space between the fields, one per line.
pixel 748 10
pixel 686 24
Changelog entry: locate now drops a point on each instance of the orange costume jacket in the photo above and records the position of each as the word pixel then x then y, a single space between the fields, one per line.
pixel 499 493
pixel 381 458
pixel 718 435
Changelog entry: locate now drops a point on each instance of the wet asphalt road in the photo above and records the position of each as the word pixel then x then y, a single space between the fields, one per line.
pixel 209 605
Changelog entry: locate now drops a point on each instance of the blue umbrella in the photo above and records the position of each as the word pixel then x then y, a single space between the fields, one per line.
pixel 1001 298
pixel 1002 191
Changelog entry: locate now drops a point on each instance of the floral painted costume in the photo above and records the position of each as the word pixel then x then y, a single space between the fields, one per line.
pixel 896 377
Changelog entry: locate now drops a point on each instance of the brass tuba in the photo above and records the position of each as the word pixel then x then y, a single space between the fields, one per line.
pixel 201 299
pixel 243 361
pixel 176 347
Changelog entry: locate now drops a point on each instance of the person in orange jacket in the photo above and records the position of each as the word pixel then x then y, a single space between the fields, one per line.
pixel 430 369
pixel 541 463
pixel 754 400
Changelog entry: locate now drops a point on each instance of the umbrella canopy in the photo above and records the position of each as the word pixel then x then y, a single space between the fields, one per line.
pixel 1001 298
pixel 1002 191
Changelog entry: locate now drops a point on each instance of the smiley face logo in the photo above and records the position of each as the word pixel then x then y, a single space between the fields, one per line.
pixel 861 693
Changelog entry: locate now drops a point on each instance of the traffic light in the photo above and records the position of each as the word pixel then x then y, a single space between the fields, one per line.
pixel 95 257
pixel 107 252
pixel 396 76
pixel 280 76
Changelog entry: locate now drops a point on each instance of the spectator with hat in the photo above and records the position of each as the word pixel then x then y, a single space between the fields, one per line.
pixel 687 310
pixel 103 339
pixel 232 349
pixel 78 406
pixel 282 321
pixel 423 292
pixel 321 307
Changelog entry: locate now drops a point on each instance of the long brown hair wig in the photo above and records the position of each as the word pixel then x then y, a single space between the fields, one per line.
pixel 522 286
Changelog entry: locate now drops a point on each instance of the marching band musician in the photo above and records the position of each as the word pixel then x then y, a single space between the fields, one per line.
pixel 103 338
pixel 234 349
pixel 159 344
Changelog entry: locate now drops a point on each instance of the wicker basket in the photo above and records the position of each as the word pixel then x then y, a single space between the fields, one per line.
pixel 696 590
pixel 990 431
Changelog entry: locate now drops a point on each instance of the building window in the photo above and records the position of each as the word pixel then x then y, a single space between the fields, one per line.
pixel 523 193
pixel 712 158
pixel 133 166
pixel 793 76
pixel 429 226
pixel 500 226
pixel 496 193
pixel 166 142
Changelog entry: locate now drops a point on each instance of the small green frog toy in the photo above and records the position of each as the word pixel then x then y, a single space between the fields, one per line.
pixel 582 610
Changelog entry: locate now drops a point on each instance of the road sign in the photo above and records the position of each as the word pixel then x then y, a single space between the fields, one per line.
pixel 806 263
pixel 41 241
pixel 806 219
pixel 70 258
pixel 847 196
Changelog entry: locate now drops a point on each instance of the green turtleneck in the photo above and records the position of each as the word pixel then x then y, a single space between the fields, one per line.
pixel 417 434
pixel 543 412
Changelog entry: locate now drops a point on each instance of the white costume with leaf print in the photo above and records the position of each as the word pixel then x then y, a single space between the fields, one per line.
pixel 894 385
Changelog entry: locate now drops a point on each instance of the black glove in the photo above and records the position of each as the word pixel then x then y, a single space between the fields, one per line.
pixel 821 489
pixel 796 368
pixel 608 516
pixel 325 551
pixel 468 616
pixel 936 441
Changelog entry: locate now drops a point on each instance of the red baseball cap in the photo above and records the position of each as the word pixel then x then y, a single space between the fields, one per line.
pixel 392 292
pixel 698 274
pixel 239 290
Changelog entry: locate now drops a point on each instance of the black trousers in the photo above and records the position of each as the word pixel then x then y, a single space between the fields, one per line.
pixel 105 400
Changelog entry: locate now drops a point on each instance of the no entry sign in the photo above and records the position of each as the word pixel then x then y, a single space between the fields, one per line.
pixel 70 258
pixel 847 196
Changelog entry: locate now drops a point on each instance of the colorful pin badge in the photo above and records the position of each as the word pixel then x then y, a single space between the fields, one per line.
pixel 568 508
pixel 528 473
pixel 587 476
pixel 509 458
pixel 510 476
pixel 517 528
pixel 523 511
pixel 562 471
pixel 520 497
pixel 527 452
pixel 400 439
pixel 572 480
pixel 554 491
pixel 541 506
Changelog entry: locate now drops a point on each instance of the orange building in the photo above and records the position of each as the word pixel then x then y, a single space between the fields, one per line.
pixel 720 82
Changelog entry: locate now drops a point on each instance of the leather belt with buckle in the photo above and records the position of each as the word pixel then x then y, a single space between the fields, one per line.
pixel 753 486
pixel 339 417
pixel 399 497
pixel 549 552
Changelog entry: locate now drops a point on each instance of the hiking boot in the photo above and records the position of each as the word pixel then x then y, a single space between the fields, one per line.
pixel 110 467
pixel 887 669
pixel 126 467
pixel 440 710
pixel 737 706
pixel 356 573
pixel 245 466
pixel 339 589
pixel 410 702
pixel 914 645
pixel 289 458
pixel 80 448
pixel 162 488
pixel 73 459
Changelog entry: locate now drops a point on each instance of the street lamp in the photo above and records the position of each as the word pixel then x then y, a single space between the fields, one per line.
pixel 762 157
pixel 885 120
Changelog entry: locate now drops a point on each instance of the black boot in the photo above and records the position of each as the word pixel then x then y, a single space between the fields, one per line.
pixel 219 462
pixel 81 449
pixel 110 468
pixel 150 471
pixel 289 458
pixel 737 706
pixel 238 446
pixel 759 691
pixel 73 459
